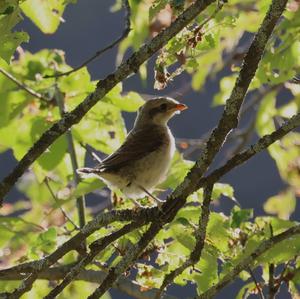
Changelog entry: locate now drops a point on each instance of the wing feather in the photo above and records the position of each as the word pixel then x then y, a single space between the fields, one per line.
pixel 137 145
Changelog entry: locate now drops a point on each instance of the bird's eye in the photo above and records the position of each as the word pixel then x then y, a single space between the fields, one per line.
pixel 163 107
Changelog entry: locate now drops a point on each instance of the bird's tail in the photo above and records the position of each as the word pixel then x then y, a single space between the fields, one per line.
pixel 87 172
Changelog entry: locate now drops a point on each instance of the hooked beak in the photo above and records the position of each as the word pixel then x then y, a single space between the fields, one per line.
pixel 181 107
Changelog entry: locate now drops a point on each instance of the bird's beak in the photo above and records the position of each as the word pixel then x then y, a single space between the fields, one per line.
pixel 181 107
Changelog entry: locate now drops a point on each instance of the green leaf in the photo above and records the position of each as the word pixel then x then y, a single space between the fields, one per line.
pixel 130 102
pixel 225 190
pixel 264 120
pixel 76 83
pixel 9 43
pixel 283 204
pixel 238 216
pixel 103 128
pixel 217 231
pixel 12 103
pixel 45 242
pixel 45 14
pixel 177 172
pixel 9 17
pixel 246 290
pixel 226 85
pixel 87 186
pixel 56 151
pixel 283 251
pixel 208 267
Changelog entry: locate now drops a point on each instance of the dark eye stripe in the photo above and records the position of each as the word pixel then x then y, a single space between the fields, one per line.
pixel 154 111
pixel 163 107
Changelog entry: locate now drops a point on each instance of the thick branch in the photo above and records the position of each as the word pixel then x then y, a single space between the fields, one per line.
pixel 227 122
pixel 250 259
pixel 99 221
pixel 103 87
pixel 263 143
pixel 123 284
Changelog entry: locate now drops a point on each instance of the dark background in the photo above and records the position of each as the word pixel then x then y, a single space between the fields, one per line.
pixel 90 26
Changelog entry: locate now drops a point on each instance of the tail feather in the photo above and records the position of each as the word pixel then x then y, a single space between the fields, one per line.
pixel 87 172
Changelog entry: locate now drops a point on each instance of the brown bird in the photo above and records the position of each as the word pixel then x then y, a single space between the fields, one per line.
pixel 142 161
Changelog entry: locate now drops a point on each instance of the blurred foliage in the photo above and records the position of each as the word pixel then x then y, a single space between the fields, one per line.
pixel 34 225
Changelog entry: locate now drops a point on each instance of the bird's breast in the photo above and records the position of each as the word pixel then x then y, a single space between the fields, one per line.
pixel 152 169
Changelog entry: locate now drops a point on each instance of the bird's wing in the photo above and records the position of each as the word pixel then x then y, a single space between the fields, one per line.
pixel 137 145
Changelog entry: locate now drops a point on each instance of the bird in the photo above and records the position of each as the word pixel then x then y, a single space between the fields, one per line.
pixel 143 160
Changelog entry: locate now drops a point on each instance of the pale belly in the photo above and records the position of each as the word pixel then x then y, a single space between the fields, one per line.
pixel 150 171
pixel 147 172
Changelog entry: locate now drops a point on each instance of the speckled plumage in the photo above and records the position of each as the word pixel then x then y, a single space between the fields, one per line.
pixel 143 160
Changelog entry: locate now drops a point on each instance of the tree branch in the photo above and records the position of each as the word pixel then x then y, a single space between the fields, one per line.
pixel 103 87
pixel 95 248
pixel 24 86
pixel 200 241
pixel 254 149
pixel 123 284
pixel 80 201
pixel 258 288
pixel 227 122
pixel 150 214
pixel 244 264
pixel 147 214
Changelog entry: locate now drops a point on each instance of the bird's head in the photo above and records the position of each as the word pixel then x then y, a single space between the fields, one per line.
pixel 158 111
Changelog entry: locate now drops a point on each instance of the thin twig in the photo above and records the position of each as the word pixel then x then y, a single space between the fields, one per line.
pixel 46 181
pixel 259 290
pixel 91 153
pixel 80 201
pixel 24 86
pixel 243 138
pixel 272 287
pixel 100 52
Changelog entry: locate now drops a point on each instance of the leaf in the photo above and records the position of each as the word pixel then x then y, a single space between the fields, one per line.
pixel 178 170
pixel 226 86
pixel 130 102
pixel 9 17
pixel 76 83
pixel 208 267
pixel 45 242
pixel 87 186
pixel 56 151
pixel 45 14
pixel 225 190
pixel 283 204
pixel 9 43
pixel 103 128
pixel 283 251
pixel 217 231
pixel 246 290
pixel 238 216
